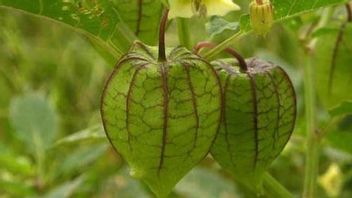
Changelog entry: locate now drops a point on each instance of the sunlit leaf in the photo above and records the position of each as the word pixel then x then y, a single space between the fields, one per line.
pixel 93 134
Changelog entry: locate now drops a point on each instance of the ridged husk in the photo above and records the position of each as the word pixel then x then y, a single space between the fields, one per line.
pixel 259 116
pixel 162 117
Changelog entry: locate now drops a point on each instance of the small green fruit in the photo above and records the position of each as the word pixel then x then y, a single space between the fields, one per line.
pixel 261 16
pixel 259 112
pixel 162 115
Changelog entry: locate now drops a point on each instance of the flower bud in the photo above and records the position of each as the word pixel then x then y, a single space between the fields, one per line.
pixel 262 16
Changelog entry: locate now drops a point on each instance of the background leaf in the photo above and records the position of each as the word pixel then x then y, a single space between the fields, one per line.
pixel 334 78
pixel 342 109
pixel 341 136
pixel 113 24
pixel 202 183
pixel 217 25
pixel 123 185
pixel 65 190
pixel 92 134
pixel 80 158
pixel 35 121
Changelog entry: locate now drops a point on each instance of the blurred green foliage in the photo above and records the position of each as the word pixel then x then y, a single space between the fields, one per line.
pixel 52 143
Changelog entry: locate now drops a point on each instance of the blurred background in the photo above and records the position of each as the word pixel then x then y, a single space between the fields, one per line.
pixel 51 139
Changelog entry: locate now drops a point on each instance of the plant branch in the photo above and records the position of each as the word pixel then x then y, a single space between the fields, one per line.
pixel 270 188
pixel 225 44
pixel 184 35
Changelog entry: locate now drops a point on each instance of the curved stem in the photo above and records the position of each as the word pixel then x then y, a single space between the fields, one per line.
pixel 162 55
pixel 273 188
pixel 234 53
pixel 200 45
pixel 184 35
pixel 225 44
pixel 270 188
pixel 241 61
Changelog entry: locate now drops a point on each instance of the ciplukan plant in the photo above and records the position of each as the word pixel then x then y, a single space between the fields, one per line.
pixel 164 110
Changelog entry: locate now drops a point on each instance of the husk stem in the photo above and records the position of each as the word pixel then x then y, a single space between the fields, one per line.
pixel 162 54
pixel 242 63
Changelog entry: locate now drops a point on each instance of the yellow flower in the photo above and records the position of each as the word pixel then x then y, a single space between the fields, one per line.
pixel 332 180
pixel 188 8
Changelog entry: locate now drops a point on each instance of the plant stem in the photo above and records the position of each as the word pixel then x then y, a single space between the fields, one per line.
pixel 273 188
pixel 270 188
pixel 225 44
pixel 312 153
pixel 313 138
pixel 184 35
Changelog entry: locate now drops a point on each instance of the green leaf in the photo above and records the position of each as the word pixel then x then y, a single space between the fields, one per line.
pixel 342 109
pixel 65 190
pixel 203 183
pixel 35 121
pixel 13 162
pixel 15 188
pixel 341 136
pixel 332 66
pixel 286 9
pixel 114 24
pixel 92 134
pixel 142 17
pixel 325 31
pixel 217 25
pixel 16 164
pixel 81 158
pixel 123 186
